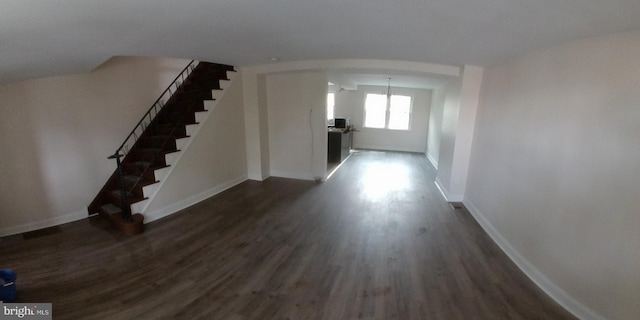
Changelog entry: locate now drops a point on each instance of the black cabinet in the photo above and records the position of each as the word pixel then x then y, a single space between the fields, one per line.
pixel 338 146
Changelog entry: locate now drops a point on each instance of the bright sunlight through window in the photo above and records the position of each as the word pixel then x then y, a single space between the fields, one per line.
pixel 399 112
pixel 393 113
pixel 375 111
pixel 331 103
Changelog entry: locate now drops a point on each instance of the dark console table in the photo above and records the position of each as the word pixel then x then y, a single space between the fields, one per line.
pixel 339 145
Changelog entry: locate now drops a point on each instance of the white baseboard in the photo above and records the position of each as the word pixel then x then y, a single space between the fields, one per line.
pixel 183 204
pixel 291 175
pixel 433 161
pixel 445 193
pixel 556 293
pixel 258 177
pixel 46 223
pixel 151 216
pixel 386 148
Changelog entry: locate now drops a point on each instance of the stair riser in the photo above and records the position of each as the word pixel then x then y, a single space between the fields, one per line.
pixel 168 130
pixel 202 84
pixel 134 196
pixel 161 173
pixel 224 84
pixel 216 94
pixel 192 129
pixel 137 191
pixel 193 106
pixel 213 85
pixel 158 160
pixel 190 96
pixel 139 187
pixel 139 206
pixel 172 158
pixel 132 168
pixel 147 175
pixel 200 116
pixel 194 94
pixel 177 119
pixel 168 143
pixel 150 175
pixel 177 106
pixel 116 200
pixel 182 143
pixel 150 189
pixel 209 73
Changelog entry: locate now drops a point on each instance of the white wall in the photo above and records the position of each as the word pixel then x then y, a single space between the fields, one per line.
pixel 252 124
pixel 469 99
pixel 56 134
pixel 256 124
pixel 449 125
pixel 265 161
pixel 214 161
pixel 435 126
pixel 297 125
pixel 350 104
pixel 458 121
pixel 555 170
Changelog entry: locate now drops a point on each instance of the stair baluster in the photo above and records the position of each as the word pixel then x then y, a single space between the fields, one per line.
pixel 126 208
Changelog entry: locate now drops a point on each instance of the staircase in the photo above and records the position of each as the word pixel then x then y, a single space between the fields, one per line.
pixel 147 154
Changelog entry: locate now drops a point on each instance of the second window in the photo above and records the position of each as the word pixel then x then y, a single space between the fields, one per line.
pixel 387 112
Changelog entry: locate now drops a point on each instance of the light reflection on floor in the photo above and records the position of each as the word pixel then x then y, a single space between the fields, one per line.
pixel 380 179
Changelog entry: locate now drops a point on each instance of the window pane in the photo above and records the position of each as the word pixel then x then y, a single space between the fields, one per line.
pixel 331 101
pixel 400 112
pixel 375 110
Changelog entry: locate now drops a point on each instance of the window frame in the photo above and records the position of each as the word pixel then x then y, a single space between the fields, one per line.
pixel 387 114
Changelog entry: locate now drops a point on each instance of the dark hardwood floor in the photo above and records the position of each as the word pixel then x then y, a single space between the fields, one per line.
pixel 376 241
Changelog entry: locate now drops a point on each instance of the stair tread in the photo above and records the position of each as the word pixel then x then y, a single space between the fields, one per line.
pixel 157 149
pixel 118 193
pixel 163 125
pixel 139 180
pixel 110 208
pixel 133 178
pixel 153 152
pixel 145 165
pixel 131 197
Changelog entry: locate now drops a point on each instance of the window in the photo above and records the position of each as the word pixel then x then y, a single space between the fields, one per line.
pixel 375 111
pixel 331 102
pixel 390 113
pixel 399 112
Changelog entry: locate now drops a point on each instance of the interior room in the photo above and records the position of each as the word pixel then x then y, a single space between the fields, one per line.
pixel 348 94
pixel 183 160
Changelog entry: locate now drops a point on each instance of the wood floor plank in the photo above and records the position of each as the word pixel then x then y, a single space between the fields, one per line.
pixel 376 241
